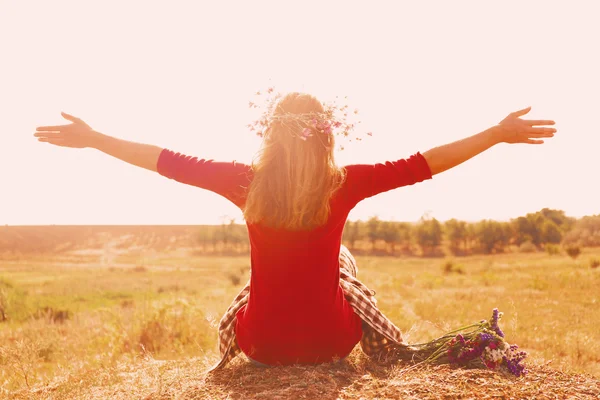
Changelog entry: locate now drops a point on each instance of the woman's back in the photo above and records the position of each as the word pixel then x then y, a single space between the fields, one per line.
pixel 296 310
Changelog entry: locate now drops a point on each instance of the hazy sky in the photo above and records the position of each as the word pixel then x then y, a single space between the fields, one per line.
pixel 179 74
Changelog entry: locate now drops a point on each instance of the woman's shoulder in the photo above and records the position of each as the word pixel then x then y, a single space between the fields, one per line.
pixel 352 172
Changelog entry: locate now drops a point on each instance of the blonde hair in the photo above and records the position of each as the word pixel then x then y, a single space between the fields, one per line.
pixel 295 177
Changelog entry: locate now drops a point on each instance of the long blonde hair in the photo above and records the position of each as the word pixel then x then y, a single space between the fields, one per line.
pixel 294 180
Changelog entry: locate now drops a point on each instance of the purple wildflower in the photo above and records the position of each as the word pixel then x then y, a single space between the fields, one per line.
pixel 495 316
pixel 494 323
pixel 513 361
pixel 486 337
pixel 514 366
pixel 498 331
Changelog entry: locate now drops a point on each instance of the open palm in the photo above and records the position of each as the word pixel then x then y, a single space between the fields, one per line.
pixel 77 134
pixel 513 129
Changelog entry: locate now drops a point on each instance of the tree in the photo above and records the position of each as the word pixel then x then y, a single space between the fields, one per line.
pixel 404 235
pixel 528 229
pixel 390 234
pixel 351 233
pixel 551 233
pixel 544 226
pixel 471 236
pixel 559 218
pixel 456 232
pixel 373 230
pixel 428 234
pixel 493 236
pixel 586 232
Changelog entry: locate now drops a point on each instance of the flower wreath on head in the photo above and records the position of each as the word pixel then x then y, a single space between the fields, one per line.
pixel 332 121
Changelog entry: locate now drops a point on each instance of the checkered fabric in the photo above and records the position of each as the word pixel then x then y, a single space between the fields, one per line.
pixel 381 339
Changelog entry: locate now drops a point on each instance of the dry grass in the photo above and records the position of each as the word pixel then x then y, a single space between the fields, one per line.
pixel 143 326
pixel 354 378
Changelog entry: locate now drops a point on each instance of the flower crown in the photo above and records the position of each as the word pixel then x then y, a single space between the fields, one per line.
pixel 332 121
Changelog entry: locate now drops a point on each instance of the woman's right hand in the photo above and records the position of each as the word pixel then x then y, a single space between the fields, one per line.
pixel 513 129
pixel 78 134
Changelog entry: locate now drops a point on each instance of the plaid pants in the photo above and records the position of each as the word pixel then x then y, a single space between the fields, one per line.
pixel 381 339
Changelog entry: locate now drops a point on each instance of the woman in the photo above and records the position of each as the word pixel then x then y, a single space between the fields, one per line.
pixel 299 306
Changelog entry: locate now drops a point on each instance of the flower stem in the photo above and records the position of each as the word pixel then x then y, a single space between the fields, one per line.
pixel 449 334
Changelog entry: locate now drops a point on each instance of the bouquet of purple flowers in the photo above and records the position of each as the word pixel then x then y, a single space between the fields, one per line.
pixel 478 345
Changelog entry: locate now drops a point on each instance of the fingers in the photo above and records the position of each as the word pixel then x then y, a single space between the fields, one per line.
pixel 539 135
pixel 521 112
pixel 69 117
pixel 55 128
pixel 533 122
pixel 54 135
pixel 540 131
pixel 533 141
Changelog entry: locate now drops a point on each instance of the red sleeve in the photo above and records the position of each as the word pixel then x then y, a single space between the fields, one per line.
pixel 363 181
pixel 229 179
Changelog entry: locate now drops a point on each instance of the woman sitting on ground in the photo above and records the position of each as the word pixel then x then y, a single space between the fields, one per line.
pixel 303 303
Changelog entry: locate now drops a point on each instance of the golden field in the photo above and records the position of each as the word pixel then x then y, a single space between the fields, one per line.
pixel 88 319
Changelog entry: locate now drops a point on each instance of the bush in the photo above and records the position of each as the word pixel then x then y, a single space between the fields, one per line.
pixel 4 301
pixel 573 251
pixel 586 232
pixel 52 314
pixel 450 268
pixel 169 328
pixel 552 249
pixel 595 263
pixel 13 302
pixel 527 247
pixel 234 278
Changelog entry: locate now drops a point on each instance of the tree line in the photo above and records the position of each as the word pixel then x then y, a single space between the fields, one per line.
pixel 431 237
pixel 546 229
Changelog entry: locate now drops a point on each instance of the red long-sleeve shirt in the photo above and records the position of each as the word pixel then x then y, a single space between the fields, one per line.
pixel 296 311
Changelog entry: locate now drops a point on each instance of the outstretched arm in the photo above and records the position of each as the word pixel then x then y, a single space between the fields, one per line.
pixel 78 134
pixel 511 129
pixel 227 179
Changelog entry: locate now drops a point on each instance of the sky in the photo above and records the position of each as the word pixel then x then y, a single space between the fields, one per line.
pixel 179 74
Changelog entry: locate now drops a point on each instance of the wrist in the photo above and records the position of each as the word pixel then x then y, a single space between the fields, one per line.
pixel 96 140
pixel 494 135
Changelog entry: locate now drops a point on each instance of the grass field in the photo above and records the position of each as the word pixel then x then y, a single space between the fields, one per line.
pixel 77 315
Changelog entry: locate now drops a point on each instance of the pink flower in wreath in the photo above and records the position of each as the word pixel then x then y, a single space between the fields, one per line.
pixel 306 133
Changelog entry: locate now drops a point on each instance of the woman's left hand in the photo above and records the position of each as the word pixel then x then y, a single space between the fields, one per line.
pixel 77 134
